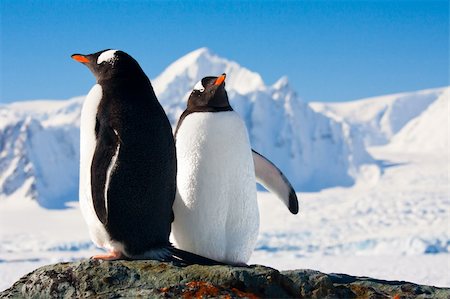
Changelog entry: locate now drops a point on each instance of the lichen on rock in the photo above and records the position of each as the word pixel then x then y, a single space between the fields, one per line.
pixel 152 279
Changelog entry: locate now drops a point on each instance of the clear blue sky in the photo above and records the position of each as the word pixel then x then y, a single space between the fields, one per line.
pixel 330 50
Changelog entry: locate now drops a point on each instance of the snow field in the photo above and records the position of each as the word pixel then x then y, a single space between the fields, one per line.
pixel 376 172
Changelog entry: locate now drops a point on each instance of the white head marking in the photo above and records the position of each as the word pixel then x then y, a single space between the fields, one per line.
pixel 199 86
pixel 107 56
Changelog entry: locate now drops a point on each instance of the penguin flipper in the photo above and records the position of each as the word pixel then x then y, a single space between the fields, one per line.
pixel 268 175
pixel 101 169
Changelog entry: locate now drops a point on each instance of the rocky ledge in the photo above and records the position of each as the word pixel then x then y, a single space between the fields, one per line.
pixel 151 279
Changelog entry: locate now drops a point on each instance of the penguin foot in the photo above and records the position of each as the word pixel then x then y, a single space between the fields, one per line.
pixel 110 256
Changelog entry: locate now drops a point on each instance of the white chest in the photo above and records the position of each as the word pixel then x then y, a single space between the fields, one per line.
pixel 213 151
pixel 87 123
pixel 87 149
pixel 216 213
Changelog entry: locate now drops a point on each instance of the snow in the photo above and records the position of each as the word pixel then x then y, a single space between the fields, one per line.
pixel 42 153
pixel 394 229
pixel 179 78
pixel 32 236
pixel 429 132
pixel 378 119
pixel 372 177
pixel 304 144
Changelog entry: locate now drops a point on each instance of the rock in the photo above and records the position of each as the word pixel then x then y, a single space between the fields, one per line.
pixel 151 279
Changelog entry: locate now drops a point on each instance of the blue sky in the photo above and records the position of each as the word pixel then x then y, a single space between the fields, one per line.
pixel 330 50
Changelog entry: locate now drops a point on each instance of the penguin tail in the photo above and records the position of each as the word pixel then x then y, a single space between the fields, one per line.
pixel 162 254
pixel 188 258
pixel 176 256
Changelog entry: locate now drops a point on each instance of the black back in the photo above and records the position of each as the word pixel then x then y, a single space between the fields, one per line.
pixel 213 98
pixel 142 187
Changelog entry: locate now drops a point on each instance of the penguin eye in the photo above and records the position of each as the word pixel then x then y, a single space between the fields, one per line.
pixel 197 93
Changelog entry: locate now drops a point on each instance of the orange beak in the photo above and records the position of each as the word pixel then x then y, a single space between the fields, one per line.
pixel 220 79
pixel 80 58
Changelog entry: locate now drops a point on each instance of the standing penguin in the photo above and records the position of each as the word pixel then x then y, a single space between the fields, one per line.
pixel 216 211
pixel 127 161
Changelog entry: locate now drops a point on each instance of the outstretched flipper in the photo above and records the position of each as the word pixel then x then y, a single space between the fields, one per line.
pixel 268 175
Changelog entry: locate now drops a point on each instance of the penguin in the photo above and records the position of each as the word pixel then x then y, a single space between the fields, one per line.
pixel 273 179
pixel 216 210
pixel 127 161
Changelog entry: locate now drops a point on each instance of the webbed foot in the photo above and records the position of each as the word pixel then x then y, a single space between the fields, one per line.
pixel 110 256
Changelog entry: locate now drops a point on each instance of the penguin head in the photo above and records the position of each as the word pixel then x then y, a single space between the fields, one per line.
pixel 109 63
pixel 209 93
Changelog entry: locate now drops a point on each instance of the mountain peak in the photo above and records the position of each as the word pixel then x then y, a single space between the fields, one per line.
pixel 200 51
pixel 185 72
pixel 281 83
pixel 191 58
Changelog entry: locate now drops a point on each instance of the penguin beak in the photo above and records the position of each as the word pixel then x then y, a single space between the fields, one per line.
pixel 220 79
pixel 80 58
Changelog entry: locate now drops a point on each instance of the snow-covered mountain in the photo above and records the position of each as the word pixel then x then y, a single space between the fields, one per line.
pixel 39 151
pixel 379 119
pixel 313 150
pixel 429 132
pixel 392 224
pixel 316 148
pixel 175 83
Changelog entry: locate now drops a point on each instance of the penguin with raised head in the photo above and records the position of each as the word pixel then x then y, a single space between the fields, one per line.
pixel 216 211
pixel 127 161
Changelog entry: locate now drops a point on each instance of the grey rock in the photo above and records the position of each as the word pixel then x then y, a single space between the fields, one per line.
pixel 151 279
